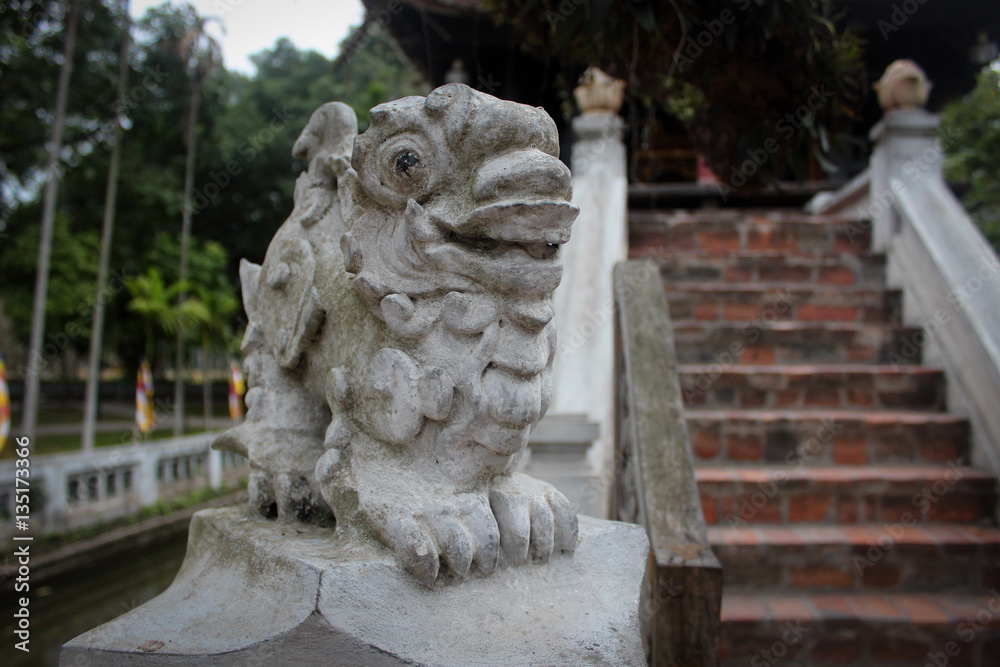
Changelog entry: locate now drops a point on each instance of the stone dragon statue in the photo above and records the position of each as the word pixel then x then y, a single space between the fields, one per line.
pixel 400 339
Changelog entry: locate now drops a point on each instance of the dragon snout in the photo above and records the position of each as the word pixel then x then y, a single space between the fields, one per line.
pixel 525 174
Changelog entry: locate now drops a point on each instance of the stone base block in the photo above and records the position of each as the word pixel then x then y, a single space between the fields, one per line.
pixel 258 592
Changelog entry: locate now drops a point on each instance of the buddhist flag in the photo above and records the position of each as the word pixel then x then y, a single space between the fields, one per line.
pixel 144 399
pixel 236 390
pixel 4 405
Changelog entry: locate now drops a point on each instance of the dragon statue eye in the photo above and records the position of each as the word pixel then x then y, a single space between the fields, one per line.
pixel 405 161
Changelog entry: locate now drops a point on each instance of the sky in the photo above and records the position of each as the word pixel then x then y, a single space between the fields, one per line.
pixel 254 25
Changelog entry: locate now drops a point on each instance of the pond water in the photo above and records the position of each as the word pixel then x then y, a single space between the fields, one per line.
pixel 76 602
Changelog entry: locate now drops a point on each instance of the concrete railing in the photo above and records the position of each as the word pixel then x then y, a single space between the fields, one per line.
pixel 949 274
pixel 655 482
pixel 78 489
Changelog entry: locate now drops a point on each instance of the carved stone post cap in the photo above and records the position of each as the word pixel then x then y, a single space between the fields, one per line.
pixel 903 86
pixel 599 92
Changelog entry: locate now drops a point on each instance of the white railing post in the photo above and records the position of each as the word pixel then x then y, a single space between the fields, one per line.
pixel 214 468
pixel 906 147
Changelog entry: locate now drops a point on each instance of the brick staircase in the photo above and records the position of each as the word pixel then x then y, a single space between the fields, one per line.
pixel 835 483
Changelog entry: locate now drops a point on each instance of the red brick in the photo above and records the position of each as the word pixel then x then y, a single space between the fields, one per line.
pixel 857 353
pixel 880 575
pixel 836 275
pixel 744 448
pixel 809 508
pixel 848 511
pixel 941 451
pixel 757 355
pixel 960 508
pixel 740 312
pixel 719 241
pixel 781 273
pixel 850 451
pixel 787 398
pixel 706 444
pixel 767 239
pixel 822 575
pixel 738 275
pixel 813 313
pixel 750 398
pixel 859 397
pixel 706 311
pixel 708 508
pixel 828 397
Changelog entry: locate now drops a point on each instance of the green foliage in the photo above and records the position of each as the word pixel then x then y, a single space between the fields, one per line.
pixel 158 304
pixel 244 176
pixel 970 134
pixel 72 281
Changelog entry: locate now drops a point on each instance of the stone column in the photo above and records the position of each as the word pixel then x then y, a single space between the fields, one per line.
pixel 905 144
pixel 583 375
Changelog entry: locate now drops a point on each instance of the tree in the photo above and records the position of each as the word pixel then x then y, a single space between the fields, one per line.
pixel 162 311
pixel 716 58
pixel 33 376
pixel 202 54
pixel 970 134
pixel 110 198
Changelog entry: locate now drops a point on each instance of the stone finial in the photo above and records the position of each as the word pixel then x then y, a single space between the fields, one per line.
pixel 599 92
pixel 903 86
pixel 400 343
pixel 457 73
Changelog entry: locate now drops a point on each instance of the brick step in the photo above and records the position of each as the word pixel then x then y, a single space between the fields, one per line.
pixel 846 494
pixel 887 556
pixel 758 342
pixel 767 266
pixel 741 302
pixel 885 629
pixel 818 437
pixel 843 386
pixel 721 232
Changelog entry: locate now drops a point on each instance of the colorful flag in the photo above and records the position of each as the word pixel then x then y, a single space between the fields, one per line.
pixel 4 405
pixel 144 418
pixel 236 390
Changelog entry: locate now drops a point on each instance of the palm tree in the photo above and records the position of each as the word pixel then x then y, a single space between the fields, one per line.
pixel 110 196
pixel 201 54
pixel 161 307
pixel 33 371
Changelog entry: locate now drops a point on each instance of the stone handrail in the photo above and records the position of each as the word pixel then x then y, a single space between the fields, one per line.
pixel 654 478
pixel 953 275
pixel 949 273
pixel 76 489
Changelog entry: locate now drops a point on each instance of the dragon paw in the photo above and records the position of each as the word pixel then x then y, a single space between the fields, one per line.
pixel 535 520
pixel 439 537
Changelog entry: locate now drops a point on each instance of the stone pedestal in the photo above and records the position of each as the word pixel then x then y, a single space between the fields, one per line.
pixel 259 592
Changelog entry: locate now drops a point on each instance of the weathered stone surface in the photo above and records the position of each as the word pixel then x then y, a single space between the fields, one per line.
pixel 258 592
pixel 400 339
